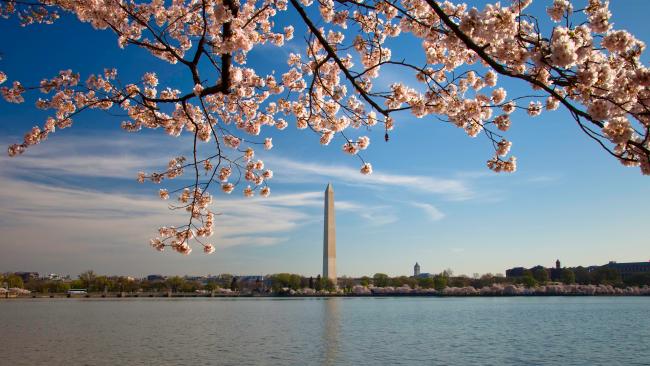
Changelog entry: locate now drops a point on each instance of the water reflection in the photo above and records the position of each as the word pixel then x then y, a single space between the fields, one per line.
pixel 318 331
pixel 331 330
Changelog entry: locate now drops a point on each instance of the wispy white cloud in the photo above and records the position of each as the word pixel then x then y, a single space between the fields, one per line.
pixel 110 156
pixel 120 157
pixel 297 171
pixel 476 174
pixel 349 206
pixel 379 217
pixel 92 214
pixel 67 213
pixel 429 210
pixel 63 219
pixel 253 240
pixel 300 199
pixel 38 214
pixel 543 179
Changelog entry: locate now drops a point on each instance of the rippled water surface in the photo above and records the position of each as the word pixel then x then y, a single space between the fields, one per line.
pixel 335 331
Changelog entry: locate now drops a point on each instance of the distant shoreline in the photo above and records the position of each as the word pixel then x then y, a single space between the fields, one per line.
pixel 356 291
pixel 248 296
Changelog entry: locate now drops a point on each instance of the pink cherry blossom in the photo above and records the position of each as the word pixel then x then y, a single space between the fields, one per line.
pixel 227 187
pixel 366 169
pixel 330 83
pixel 268 143
pixel 208 248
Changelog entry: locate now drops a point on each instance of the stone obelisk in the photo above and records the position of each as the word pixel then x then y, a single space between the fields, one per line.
pixel 329 237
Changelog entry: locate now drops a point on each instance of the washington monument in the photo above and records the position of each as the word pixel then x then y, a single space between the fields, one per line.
pixel 329 236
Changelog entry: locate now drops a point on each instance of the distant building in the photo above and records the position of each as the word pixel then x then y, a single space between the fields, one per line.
pixel 515 272
pixel 200 279
pixel 418 274
pixel 155 277
pixel 55 277
pixel 554 274
pixel 627 270
pixel 252 279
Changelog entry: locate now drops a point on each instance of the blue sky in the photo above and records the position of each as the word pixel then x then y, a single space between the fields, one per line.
pixel 72 203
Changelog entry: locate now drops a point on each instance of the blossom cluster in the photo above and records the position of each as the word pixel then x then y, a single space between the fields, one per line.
pixel 29 13
pixel 330 86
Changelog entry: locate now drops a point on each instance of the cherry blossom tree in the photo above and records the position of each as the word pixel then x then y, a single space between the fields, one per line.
pixel 578 62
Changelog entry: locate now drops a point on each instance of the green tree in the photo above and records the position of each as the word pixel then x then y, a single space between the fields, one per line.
pixel 101 283
pixel 211 285
pixel 568 277
pixel 225 279
pixel 485 280
pixel 318 285
pixel 425 282
pixel 190 286
pixel 35 285
pixel 87 279
pixel 606 275
pixel 412 282
pixel 440 282
pixel 14 281
pixel 295 281
pixel 279 280
pixel 77 284
pixel 347 283
pixel 129 284
pixel 397 281
pixel 154 286
pixel 528 280
pixel 540 275
pixel 328 284
pixel 639 279
pixel 174 283
pixel 364 281
pixel 234 284
pixel 58 287
pixel 380 280
pixel 582 275
pixel 289 280
pixel 460 281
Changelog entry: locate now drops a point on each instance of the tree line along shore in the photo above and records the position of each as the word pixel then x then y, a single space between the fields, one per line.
pixel 91 285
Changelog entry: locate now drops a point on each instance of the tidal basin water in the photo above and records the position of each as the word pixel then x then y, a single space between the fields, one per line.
pixel 327 331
